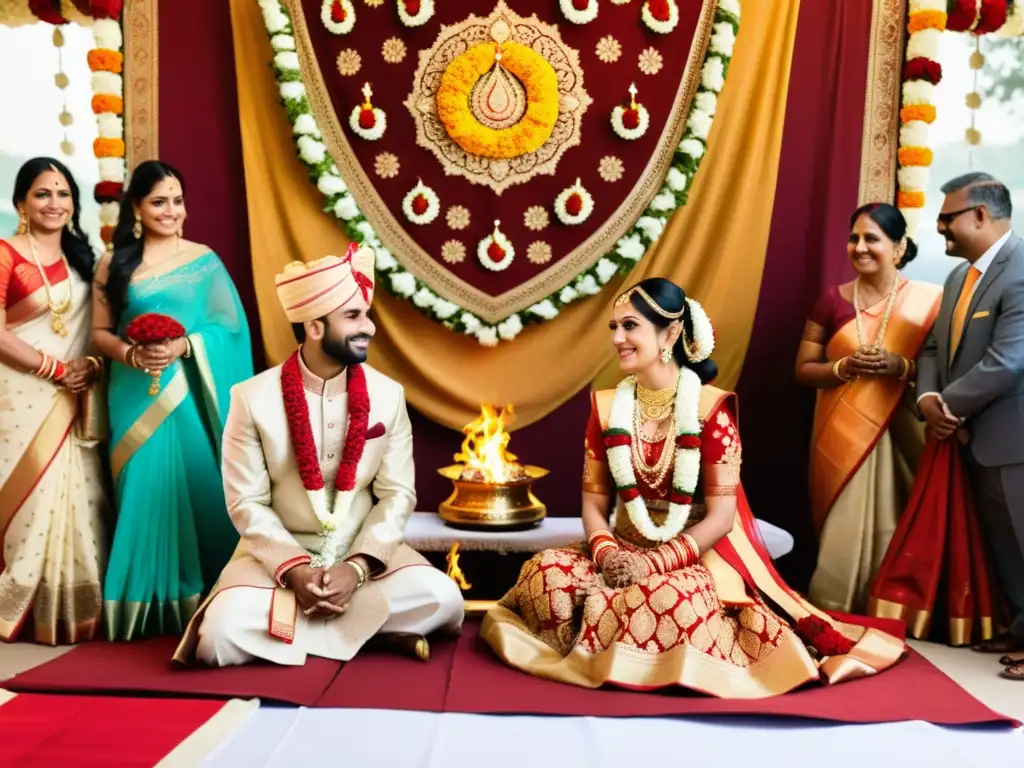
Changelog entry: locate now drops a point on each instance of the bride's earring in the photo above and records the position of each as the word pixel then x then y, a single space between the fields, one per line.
pixel 22 224
pixel 666 355
pixel 137 229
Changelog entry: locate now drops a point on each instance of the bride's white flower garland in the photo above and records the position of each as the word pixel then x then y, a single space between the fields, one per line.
pixel 621 260
pixel 686 470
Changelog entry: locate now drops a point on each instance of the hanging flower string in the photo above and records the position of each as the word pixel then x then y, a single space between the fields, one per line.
pixel 107 63
pixel 921 73
pixel 620 260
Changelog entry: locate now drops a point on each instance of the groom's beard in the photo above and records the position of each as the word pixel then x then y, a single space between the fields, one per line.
pixel 342 350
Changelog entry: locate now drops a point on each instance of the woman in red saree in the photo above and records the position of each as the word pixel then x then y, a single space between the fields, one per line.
pixel 674 588
pixel 858 351
pixel 52 499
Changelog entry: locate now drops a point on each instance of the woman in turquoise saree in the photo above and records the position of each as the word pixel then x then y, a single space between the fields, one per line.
pixel 167 404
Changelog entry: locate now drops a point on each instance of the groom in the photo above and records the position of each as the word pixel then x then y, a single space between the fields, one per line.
pixel 318 475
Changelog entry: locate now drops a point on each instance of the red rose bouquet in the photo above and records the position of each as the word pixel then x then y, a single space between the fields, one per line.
pixel 153 328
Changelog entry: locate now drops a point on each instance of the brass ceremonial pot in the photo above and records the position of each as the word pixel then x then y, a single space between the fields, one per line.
pixel 507 505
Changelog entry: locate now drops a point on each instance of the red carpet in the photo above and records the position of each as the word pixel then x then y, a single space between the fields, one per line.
pixel 385 681
pixel 145 667
pixel 465 676
pixel 912 690
pixel 96 731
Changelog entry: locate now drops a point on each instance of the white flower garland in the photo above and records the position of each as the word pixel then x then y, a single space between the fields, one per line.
pixel 686 470
pixel 577 16
pixel 586 204
pixel 622 259
pixel 433 204
pixel 656 25
pixel 422 16
pixel 643 122
pixel 338 27
pixel 702 344
pixel 495 238
pixel 380 123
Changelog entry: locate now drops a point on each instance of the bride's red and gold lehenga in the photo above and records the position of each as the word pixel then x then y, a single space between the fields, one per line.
pixel 707 626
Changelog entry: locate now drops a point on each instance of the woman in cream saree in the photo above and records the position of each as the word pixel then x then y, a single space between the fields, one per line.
pixel 858 350
pixel 52 497
pixel 173 532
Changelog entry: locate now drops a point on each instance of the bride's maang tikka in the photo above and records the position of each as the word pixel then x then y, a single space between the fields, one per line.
pixel 650 302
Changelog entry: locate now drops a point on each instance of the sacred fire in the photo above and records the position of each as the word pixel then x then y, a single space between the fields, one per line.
pixel 491 488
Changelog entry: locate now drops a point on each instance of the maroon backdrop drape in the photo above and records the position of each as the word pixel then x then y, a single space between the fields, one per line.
pixel 817 190
pixel 819 175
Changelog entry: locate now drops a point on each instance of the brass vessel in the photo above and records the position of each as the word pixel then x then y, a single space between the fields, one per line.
pixel 507 505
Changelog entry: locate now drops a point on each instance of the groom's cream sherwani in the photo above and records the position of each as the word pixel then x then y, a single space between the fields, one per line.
pixel 250 614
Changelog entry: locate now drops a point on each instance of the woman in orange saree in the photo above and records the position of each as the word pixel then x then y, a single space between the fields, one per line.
pixel 676 587
pixel 858 350
pixel 52 499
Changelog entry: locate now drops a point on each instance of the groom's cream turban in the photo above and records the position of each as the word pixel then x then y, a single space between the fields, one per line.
pixel 309 291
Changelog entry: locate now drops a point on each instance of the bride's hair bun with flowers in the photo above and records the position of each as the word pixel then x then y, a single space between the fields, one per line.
pixel 663 302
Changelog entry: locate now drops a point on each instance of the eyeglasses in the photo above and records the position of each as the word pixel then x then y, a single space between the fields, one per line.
pixel 947 218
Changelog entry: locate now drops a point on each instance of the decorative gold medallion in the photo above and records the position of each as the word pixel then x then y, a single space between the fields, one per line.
pixel 498 99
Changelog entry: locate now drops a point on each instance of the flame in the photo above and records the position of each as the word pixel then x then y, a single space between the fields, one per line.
pixel 454 571
pixel 484 448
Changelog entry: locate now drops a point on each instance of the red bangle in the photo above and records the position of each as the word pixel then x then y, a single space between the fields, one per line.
pixel 60 370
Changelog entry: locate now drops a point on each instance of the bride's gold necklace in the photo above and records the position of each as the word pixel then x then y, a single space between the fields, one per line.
pixel 655 404
pixel 59 308
pixel 653 475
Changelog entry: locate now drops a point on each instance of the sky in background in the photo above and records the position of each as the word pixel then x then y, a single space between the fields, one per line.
pixel 1001 152
pixel 30 125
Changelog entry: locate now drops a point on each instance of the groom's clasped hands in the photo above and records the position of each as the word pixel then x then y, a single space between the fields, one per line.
pixel 322 591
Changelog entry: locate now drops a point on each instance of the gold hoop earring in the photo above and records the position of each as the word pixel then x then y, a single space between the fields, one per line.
pixel 137 229
pixel 666 356
pixel 22 224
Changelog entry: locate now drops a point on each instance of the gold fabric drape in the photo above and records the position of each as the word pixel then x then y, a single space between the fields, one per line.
pixel 715 247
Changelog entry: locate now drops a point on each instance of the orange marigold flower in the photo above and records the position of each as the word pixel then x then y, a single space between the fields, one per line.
pixel 106 234
pixel 106 103
pixel 915 156
pixel 922 20
pixel 108 148
pixel 105 60
pixel 923 112
pixel 909 199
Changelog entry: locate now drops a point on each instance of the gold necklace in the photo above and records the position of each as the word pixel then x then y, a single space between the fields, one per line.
pixel 59 308
pixel 880 337
pixel 654 475
pixel 655 403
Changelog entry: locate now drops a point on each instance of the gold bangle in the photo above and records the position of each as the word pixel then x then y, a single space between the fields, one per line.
pixel 835 370
pixel 360 572
pixel 906 368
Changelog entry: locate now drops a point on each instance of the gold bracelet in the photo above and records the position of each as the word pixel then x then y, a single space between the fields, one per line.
pixel 835 370
pixel 906 368
pixel 360 573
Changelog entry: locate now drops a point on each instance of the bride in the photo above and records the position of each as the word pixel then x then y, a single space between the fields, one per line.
pixel 675 588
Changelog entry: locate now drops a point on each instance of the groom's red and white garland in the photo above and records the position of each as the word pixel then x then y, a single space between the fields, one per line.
pixel 338 529
pixel 621 260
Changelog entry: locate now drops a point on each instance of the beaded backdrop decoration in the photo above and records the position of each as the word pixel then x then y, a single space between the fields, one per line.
pixel 501 158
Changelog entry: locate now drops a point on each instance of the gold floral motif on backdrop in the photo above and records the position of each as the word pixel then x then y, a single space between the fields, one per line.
pixel 473 132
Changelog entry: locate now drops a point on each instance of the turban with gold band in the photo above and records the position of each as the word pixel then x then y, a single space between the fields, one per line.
pixel 309 291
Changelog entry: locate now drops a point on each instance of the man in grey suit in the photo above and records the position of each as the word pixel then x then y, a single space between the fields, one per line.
pixel 971 376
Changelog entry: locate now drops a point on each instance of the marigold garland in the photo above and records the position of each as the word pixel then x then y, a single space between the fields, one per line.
pixel 918 156
pixel 921 72
pixel 108 147
pixel 526 65
pixel 630 248
pixel 105 61
pixel 47 11
pixel 923 112
pixel 923 69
